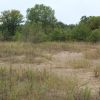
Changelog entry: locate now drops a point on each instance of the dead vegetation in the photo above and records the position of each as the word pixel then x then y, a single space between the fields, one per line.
pixel 72 71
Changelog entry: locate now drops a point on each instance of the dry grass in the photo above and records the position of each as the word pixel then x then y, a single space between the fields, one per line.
pixel 30 84
pixel 92 54
pixel 79 63
pixel 17 48
pixel 97 70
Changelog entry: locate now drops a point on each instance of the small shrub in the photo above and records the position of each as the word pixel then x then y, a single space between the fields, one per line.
pixel 94 36
pixel 58 36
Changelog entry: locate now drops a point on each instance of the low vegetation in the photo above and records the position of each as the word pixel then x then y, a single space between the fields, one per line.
pixel 92 54
pixel 79 63
pixel 27 84
pixel 27 74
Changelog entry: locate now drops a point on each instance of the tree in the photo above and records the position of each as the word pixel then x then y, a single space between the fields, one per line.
pixel 61 25
pixel 84 19
pixel 58 35
pixel 93 22
pixel 41 14
pixel 80 32
pixel 94 36
pixel 10 20
pixel 33 33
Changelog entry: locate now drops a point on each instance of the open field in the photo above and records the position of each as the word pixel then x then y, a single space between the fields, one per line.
pixel 49 71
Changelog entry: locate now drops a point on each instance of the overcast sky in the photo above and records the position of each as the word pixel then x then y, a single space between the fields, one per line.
pixel 67 11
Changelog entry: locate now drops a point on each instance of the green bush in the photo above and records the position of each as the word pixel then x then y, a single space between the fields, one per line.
pixel 58 36
pixel 17 36
pixel 94 36
pixel 80 32
pixel 33 33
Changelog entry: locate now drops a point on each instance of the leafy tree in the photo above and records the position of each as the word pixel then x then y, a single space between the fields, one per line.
pixel 84 19
pixel 10 21
pixel 93 22
pixel 33 33
pixel 41 14
pixel 61 25
pixel 58 35
pixel 81 32
pixel 94 36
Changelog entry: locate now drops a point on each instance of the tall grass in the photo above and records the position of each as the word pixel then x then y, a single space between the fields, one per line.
pixel 92 54
pixel 27 84
pixel 79 63
pixel 18 48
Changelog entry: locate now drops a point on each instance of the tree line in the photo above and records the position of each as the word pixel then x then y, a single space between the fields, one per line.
pixel 41 25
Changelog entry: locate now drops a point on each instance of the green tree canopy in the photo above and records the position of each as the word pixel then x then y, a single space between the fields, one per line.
pixel 81 32
pixel 10 20
pixel 41 14
pixel 92 21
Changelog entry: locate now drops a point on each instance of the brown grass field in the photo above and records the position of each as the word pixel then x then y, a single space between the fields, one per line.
pixel 49 71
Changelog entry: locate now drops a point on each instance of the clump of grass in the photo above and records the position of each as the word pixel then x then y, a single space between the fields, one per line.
pixel 15 52
pixel 64 46
pixel 19 48
pixel 83 94
pixel 37 85
pixel 97 70
pixel 92 54
pixel 79 63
